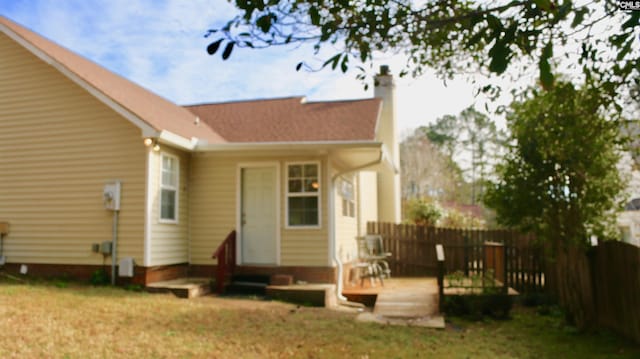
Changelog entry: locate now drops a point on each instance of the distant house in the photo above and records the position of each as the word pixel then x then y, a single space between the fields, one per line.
pixel 297 180
pixel 629 220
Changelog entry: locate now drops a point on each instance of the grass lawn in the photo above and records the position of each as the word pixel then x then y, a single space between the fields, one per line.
pixel 60 320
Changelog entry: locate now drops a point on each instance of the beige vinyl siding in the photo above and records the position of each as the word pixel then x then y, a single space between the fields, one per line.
pixel 169 241
pixel 346 227
pixel 58 147
pixel 367 204
pixel 213 194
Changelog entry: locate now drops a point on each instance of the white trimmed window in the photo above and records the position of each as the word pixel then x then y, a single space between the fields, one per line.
pixel 303 195
pixel 169 188
pixel 348 198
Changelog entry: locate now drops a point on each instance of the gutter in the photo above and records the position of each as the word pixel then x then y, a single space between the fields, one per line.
pixel 332 225
pixel 312 145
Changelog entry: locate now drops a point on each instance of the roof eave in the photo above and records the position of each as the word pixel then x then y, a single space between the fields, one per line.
pixel 301 145
pixel 170 138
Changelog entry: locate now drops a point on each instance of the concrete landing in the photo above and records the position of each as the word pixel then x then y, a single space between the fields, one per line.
pixel 317 295
pixel 407 301
pixel 182 287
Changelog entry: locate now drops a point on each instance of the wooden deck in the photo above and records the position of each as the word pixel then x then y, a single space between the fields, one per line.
pixel 400 301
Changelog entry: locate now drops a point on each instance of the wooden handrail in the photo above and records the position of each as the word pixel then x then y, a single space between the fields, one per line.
pixel 226 255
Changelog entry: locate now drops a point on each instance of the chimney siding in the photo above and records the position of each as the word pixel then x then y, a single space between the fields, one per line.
pixel 388 181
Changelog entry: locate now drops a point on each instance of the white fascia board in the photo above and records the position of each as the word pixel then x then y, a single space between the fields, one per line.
pixel 310 145
pixel 170 138
pixel 147 130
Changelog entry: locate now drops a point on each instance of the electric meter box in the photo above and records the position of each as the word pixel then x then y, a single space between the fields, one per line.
pixel 105 247
pixel 111 196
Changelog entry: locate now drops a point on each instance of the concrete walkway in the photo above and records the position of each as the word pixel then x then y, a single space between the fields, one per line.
pixel 406 301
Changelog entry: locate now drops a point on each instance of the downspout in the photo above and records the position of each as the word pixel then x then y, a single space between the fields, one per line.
pixel 332 225
pixel 114 247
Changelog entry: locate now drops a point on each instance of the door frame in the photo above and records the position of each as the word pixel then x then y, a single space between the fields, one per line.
pixel 240 167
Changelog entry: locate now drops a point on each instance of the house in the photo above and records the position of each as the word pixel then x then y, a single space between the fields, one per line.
pixel 297 180
pixel 628 220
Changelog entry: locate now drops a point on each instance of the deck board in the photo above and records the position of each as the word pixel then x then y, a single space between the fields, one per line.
pixel 403 301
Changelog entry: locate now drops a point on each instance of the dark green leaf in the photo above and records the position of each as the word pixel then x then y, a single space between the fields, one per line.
pixel 344 65
pixel 543 4
pixel 315 16
pixel 578 17
pixel 499 57
pixel 298 66
pixel 618 40
pixel 494 23
pixel 625 50
pixel 264 23
pixel 546 76
pixel 213 47
pixel 227 50
pixel 634 20
pixel 333 60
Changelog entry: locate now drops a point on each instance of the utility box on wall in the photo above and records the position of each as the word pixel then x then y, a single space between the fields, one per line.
pixel 111 196
pixel 105 247
pixel 125 267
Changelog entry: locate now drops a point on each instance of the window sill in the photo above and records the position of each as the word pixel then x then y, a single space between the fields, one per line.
pixel 302 227
pixel 168 221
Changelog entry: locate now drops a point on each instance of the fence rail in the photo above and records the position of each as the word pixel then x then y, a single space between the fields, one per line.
pixel 413 252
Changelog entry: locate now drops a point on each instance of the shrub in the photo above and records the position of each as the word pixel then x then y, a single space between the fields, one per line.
pixel 100 277
pixel 423 212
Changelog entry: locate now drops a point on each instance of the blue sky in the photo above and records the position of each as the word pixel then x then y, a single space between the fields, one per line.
pixel 160 45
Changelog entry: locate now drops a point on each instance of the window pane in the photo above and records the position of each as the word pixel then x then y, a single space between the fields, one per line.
pixel 295 171
pixel 169 171
pixel 346 190
pixel 169 179
pixel 303 211
pixel 168 204
pixel 167 163
pixel 295 186
pixel 311 170
pixel 310 185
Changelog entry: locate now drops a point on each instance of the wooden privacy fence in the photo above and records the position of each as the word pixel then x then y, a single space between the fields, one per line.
pixel 413 252
pixel 608 278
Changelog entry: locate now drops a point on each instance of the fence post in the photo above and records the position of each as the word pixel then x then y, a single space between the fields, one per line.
pixel 505 284
pixel 440 258
pixel 466 254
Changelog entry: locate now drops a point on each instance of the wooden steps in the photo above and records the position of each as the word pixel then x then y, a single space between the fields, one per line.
pixel 248 284
pixel 182 287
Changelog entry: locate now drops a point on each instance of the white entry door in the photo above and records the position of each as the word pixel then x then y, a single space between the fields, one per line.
pixel 258 215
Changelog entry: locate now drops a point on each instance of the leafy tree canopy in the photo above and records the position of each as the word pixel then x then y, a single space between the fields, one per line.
pixel 450 36
pixel 559 178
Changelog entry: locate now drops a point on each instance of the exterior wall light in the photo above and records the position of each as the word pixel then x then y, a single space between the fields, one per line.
pixel 152 142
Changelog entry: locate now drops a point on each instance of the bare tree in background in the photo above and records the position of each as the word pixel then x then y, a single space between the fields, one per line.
pixel 426 171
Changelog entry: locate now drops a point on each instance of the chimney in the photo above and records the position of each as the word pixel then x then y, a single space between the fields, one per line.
pixel 388 180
